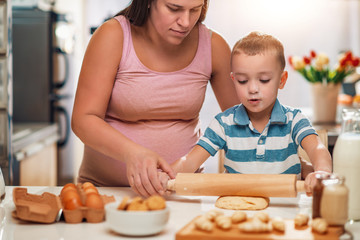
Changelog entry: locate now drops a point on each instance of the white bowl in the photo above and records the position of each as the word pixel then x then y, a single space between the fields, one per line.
pixel 135 223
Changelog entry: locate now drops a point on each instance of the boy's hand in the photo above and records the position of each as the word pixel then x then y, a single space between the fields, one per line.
pixel 310 182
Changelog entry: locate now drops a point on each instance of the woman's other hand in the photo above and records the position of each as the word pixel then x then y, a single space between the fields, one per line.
pixel 142 172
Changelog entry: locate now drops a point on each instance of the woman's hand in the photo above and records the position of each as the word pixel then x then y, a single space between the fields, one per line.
pixel 142 172
pixel 164 179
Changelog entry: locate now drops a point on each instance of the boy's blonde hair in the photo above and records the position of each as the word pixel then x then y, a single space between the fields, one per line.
pixel 257 43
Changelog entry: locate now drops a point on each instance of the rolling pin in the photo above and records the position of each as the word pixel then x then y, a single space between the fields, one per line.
pixel 230 184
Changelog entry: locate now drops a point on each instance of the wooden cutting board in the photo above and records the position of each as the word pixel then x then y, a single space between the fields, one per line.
pixel 189 232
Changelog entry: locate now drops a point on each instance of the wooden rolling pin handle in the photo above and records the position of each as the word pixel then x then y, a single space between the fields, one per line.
pixel 264 185
pixel 171 185
pixel 300 186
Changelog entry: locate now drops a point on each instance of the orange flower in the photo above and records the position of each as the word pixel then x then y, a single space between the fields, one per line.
pixel 355 62
pixel 321 60
pixel 297 63
pixel 307 60
pixel 290 60
pixel 312 54
pixel 319 70
pixel 348 56
pixel 343 62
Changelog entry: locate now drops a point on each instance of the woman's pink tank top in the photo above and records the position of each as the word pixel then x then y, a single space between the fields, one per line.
pixel 159 110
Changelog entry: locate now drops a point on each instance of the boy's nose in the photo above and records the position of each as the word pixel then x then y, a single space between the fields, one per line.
pixel 253 87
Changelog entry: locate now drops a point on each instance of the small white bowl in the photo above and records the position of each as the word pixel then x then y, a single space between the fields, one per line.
pixel 135 223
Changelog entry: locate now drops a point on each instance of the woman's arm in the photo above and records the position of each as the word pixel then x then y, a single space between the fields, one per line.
pixel 319 157
pixel 93 93
pixel 95 84
pixel 221 82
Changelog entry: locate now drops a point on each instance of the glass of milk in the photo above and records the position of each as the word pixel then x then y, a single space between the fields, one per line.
pixel 346 158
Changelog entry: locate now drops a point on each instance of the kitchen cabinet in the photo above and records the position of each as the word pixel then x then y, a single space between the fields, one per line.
pixel 40 168
pixel 35 154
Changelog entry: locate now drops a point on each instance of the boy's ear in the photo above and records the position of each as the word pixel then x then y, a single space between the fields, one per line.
pixel 284 77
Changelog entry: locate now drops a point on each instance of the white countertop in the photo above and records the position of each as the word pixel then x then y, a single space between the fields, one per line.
pixel 182 211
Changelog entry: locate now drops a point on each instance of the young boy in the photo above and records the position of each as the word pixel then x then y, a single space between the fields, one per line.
pixel 260 135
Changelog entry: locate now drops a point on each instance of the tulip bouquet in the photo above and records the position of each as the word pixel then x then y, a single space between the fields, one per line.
pixel 315 67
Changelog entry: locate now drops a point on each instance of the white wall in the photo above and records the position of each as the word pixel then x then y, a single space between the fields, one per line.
pixel 98 10
pixel 328 26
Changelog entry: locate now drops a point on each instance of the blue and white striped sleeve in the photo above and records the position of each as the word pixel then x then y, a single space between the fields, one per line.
pixel 213 138
pixel 301 127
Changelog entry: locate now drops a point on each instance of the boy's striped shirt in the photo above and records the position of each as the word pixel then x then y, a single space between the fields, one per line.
pixel 274 151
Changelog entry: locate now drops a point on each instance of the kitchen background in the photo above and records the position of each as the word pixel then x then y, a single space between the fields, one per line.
pixel 329 26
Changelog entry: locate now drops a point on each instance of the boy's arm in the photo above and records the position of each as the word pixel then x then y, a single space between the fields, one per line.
pixel 319 157
pixel 192 161
pixel 306 168
pixel 189 163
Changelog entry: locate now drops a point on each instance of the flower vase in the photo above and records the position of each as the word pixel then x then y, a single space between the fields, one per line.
pixel 324 102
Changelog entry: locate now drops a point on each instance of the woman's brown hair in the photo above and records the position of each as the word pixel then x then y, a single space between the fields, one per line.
pixel 138 11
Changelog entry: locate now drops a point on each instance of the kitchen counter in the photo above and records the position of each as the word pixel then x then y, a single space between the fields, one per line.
pixel 182 211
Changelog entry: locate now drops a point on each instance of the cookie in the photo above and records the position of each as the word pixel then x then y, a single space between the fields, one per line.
pixel 137 206
pixel 242 203
pixel 155 202
pixel 124 203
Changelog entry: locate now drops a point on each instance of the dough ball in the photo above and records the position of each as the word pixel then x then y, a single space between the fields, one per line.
pixel 242 203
